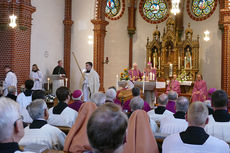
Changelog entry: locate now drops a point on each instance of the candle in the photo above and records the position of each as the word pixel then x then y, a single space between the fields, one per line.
pixel 66 82
pixel 117 82
pixel 153 76
pixel 179 63
pixel 190 62
pixel 170 70
pixel 48 87
pixel 184 62
pixel 159 63
pixel 149 59
pixel 150 76
pixel 144 84
pixel 154 62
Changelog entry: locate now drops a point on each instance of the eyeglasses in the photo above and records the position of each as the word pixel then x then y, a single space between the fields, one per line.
pixel 21 118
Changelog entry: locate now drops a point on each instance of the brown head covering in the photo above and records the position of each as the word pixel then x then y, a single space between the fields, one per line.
pixel 77 139
pixel 140 138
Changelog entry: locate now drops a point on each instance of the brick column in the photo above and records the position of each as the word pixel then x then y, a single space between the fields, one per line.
pixel 225 26
pixel 99 39
pixel 67 37
pixel 131 28
pixel 15 43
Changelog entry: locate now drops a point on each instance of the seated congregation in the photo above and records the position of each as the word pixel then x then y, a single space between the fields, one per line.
pixel 106 125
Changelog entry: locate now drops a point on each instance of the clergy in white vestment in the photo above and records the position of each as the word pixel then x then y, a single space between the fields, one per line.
pixel 219 121
pixel 11 126
pixel 160 112
pixel 194 139
pixel 90 84
pixel 176 123
pixel 39 132
pixel 24 99
pixel 10 80
pixel 62 114
pixel 37 76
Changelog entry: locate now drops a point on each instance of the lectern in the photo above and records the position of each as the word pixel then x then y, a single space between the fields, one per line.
pixel 58 81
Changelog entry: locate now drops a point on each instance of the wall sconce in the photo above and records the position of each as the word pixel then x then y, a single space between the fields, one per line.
pixel 206 35
pixel 106 60
pixel 90 40
pixel 13 19
pixel 175 7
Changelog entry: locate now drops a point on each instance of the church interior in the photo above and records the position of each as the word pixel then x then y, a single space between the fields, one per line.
pixel 180 40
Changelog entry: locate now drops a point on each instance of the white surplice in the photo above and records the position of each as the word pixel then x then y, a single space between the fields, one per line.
pixel 37 77
pixel 158 117
pixel 24 101
pixel 91 84
pixel 10 80
pixel 66 118
pixel 174 144
pixel 47 135
pixel 171 125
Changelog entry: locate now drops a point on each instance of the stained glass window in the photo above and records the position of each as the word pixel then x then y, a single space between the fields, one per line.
pixel 155 9
pixel 202 8
pixel 112 7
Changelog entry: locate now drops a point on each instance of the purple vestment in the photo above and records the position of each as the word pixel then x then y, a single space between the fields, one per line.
pixel 148 71
pixel 127 108
pixel 135 74
pixel 117 101
pixel 199 92
pixel 76 105
pixel 174 85
pixel 171 106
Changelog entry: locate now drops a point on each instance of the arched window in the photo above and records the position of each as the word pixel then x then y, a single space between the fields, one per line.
pixel 114 9
pixel 201 9
pixel 154 11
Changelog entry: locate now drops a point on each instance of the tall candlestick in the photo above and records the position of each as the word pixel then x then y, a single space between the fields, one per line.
pixel 190 62
pixel 154 62
pixel 184 62
pixel 66 82
pixel 159 63
pixel 170 70
pixel 48 87
pixel 179 63
pixel 117 82
pixel 149 59
pixel 150 76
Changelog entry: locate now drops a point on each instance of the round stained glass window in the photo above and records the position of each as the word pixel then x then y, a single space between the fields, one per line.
pixel 155 10
pixel 112 8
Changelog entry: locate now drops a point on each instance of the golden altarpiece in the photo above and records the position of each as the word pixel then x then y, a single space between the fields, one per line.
pixel 171 55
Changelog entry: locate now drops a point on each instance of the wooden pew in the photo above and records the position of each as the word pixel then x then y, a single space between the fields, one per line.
pixel 64 129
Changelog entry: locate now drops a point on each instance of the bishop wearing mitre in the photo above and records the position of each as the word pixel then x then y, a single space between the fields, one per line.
pixel 150 72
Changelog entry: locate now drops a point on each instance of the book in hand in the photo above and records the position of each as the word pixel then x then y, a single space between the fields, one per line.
pixel 36 148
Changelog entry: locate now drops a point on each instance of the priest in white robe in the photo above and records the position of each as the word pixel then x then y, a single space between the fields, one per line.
pixel 62 114
pixel 194 139
pixel 37 76
pixel 10 80
pixel 39 132
pixel 90 84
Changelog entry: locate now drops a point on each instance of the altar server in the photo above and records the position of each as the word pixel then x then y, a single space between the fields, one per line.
pixel 174 85
pixel 176 123
pixel 160 112
pixel 62 115
pixel 90 84
pixel 194 139
pixel 199 92
pixel 135 74
pixel 140 138
pixel 10 80
pixel 24 99
pixel 39 132
pixel 77 140
pixel 37 77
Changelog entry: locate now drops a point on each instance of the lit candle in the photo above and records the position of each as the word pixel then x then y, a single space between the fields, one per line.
pixel 48 87
pixel 179 63
pixel 153 76
pixel 150 76
pixel 66 82
pixel 154 62
pixel 159 63
pixel 117 82
pixel 190 62
pixel 170 70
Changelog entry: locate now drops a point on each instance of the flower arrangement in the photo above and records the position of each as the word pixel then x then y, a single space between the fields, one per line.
pixel 125 75
pixel 50 98
pixel 183 76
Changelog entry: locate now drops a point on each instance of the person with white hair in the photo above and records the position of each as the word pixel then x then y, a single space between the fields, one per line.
pixel 62 114
pixel 39 132
pixel 194 139
pixel 176 123
pixel 12 93
pixel 110 95
pixel 135 74
pixel 137 103
pixel 98 98
pixel 172 96
pixel 11 126
pixel 160 112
